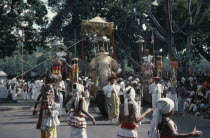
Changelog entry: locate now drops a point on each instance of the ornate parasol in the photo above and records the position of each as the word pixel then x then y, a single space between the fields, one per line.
pixel 100 27
pixel 97 25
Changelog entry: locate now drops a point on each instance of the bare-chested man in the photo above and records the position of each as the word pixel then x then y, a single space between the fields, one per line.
pixel 129 115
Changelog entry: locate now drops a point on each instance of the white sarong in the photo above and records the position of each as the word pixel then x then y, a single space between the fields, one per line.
pixel 127 133
pixel 60 97
pixel 77 126
pixel 78 132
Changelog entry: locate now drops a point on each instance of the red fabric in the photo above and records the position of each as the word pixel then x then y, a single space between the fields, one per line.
pixel 165 137
pixel 79 115
pixel 43 106
pixel 56 67
pixel 128 126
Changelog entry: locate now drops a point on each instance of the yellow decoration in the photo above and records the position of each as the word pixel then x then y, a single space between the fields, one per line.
pixel 97 25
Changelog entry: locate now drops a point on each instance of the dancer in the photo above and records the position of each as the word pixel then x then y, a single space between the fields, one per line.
pixel 129 115
pixel 163 126
pixel 48 116
pixel 76 107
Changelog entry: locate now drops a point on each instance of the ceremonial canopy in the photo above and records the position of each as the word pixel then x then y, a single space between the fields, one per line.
pixel 97 25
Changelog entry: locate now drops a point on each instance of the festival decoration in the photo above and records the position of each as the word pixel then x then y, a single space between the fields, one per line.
pixel 159 66
pixel 75 70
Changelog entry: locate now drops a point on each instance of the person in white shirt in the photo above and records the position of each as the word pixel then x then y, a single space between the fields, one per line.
pixel 147 57
pixel 172 94
pixel 112 93
pixel 37 88
pixel 191 80
pixel 156 91
pixel 183 80
pixel 25 90
pixel 86 92
pixel 61 54
pixel 13 88
pixel 121 83
pixel 61 89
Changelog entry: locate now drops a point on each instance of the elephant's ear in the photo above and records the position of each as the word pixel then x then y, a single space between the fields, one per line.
pixel 114 65
pixel 92 64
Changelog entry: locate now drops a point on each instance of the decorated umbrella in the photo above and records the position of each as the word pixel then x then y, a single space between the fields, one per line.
pixel 100 27
pixel 97 25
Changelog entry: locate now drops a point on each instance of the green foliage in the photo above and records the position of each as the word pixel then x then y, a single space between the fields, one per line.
pixel 16 16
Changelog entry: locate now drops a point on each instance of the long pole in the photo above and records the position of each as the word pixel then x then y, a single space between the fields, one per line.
pixel 23 40
pixel 153 47
pixel 75 39
pixel 22 61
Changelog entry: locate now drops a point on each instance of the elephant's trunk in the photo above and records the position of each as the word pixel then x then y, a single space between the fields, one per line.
pixel 103 77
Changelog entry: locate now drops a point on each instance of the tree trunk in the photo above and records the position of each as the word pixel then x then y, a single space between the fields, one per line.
pixel 189 40
pixel 188 52
pixel 170 33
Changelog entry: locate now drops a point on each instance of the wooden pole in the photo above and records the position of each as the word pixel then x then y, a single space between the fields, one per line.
pixel 23 39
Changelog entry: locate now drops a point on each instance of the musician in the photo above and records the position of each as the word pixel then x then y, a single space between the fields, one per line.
pixel 48 116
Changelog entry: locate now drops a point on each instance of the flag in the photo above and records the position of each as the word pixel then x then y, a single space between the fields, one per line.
pixel 23 36
pixel 152 39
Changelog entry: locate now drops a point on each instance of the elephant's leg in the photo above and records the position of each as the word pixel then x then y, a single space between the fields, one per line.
pixel 100 101
pixel 66 100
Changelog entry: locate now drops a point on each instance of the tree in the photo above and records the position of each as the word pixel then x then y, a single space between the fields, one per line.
pixel 15 16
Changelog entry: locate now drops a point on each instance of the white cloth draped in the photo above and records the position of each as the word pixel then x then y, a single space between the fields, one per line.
pixel 155 90
pixel 130 94
pixel 127 133
pixel 163 106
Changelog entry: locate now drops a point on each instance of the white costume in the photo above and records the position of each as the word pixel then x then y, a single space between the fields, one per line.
pixel 61 55
pixel 129 130
pixel 122 87
pixel 87 95
pixel 13 90
pixel 33 90
pixel 108 89
pixel 37 85
pixel 29 94
pixel 60 97
pixel 113 101
pixel 77 122
pixel 148 58
pixel 173 96
pixel 155 90
pixel 183 80
pixel 163 106
pixel 25 91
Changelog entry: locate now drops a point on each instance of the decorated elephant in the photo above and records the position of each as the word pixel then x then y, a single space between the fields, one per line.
pixel 101 67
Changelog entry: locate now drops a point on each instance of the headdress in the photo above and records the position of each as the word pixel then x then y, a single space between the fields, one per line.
pixel 77 94
pixel 112 77
pixel 146 51
pixel 130 78
pixel 163 106
pixel 156 78
pixel 129 94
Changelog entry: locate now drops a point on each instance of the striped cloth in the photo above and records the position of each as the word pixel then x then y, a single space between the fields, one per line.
pixel 77 121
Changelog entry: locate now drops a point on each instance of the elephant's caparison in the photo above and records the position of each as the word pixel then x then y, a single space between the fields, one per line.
pixel 101 68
